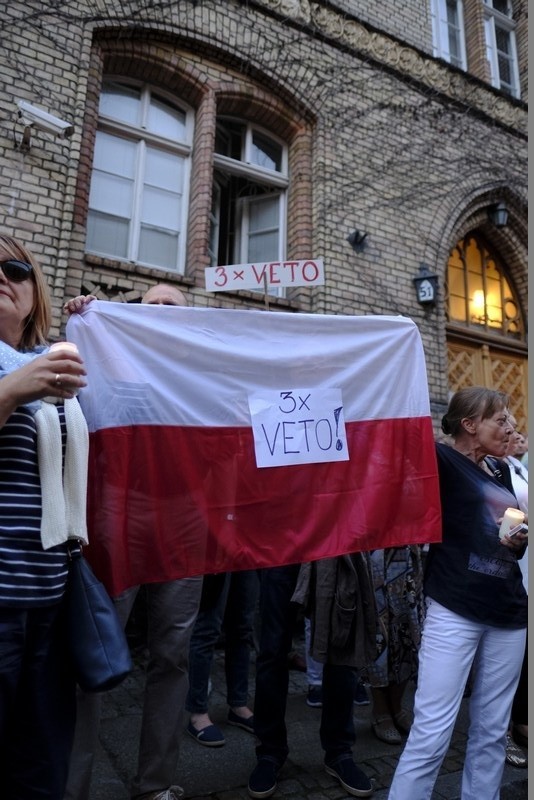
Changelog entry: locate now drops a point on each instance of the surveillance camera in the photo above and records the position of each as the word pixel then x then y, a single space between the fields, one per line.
pixel 33 116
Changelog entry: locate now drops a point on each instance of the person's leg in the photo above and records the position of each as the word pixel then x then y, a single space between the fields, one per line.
pixel 314 671
pixel 239 626
pixel 172 610
pixel 337 730
pixel 497 669
pixel 38 743
pixel 278 614
pixel 382 718
pixel 206 632
pixel 88 709
pixel 448 647
pixel 337 724
pixel 517 736
pixel 395 693
pixel 520 704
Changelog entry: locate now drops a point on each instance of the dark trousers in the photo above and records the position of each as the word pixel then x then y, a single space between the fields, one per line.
pixel 520 704
pixel 235 607
pixel 37 704
pixel 278 616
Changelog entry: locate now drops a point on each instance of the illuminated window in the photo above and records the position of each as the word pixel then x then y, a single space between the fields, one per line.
pixel 479 295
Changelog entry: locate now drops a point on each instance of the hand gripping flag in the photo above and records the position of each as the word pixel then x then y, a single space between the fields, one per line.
pixel 223 440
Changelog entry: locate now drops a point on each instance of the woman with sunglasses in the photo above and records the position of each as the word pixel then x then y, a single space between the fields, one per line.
pixel 43 468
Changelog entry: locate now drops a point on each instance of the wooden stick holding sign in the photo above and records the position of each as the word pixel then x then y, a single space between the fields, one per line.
pixel 266 291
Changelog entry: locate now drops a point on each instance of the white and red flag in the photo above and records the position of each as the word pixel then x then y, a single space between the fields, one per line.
pixel 225 439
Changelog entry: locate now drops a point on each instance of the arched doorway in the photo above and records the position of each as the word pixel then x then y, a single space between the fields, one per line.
pixel 486 340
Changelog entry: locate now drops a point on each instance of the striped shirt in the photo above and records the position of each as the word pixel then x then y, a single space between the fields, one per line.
pixel 29 575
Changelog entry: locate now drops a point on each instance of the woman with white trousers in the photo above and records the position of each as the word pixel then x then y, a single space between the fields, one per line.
pixel 476 607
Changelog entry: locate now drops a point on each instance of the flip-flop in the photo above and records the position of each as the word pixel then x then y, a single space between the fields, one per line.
pixel 210 736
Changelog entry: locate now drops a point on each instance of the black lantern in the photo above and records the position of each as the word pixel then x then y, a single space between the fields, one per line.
pixel 426 286
pixel 356 239
pixel 498 215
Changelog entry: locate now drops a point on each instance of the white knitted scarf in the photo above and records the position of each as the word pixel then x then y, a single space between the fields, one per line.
pixel 63 491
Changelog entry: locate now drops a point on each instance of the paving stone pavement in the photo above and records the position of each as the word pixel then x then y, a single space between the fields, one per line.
pixel 222 773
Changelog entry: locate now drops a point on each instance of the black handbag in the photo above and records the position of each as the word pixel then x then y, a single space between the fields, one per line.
pixel 98 646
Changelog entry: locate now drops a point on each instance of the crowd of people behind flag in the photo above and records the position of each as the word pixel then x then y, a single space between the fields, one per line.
pixel 365 607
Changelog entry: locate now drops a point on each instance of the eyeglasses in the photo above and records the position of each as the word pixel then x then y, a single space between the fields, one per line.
pixel 16 271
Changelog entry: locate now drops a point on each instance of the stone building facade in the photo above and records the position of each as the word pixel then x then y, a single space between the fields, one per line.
pixel 377 136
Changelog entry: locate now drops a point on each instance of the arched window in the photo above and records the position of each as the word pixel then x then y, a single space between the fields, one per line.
pixel 480 296
pixel 486 331
pixel 139 187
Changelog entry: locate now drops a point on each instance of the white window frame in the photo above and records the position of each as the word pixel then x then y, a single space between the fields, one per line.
pixel 494 19
pixel 277 180
pixel 441 29
pixel 242 245
pixel 143 138
pixel 215 216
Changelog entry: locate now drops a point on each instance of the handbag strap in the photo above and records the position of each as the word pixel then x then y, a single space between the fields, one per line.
pixel 74 549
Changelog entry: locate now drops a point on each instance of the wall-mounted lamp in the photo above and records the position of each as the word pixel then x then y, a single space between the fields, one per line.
pixel 498 215
pixel 356 239
pixel 426 286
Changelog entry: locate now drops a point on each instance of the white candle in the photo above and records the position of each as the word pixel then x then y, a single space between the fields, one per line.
pixel 512 517
pixel 67 347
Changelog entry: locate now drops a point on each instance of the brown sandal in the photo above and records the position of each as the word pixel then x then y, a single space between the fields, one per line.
pixel 385 730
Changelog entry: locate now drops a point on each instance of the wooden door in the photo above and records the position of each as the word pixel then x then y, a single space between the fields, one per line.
pixel 486 365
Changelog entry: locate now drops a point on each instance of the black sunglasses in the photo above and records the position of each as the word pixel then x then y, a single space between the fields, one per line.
pixel 16 271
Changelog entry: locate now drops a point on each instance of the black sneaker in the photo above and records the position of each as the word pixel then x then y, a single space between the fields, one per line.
pixel 262 782
pixel 314 698
pixel 351 777
pixel 361 698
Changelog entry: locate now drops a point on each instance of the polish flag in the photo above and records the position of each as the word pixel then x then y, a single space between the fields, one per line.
pixel 223 440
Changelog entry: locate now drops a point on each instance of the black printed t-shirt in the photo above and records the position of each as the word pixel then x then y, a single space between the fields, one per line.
pixel 470 572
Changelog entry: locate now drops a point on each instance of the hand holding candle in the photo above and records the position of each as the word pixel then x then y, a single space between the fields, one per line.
pixel 67 349
pixel 512 517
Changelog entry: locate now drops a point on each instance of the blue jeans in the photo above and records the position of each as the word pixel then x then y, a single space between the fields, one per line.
pixel 37 703
pixel 278 615
pixel 234 609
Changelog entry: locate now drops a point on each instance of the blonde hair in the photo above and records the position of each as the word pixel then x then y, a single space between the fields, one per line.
pixel 37 323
